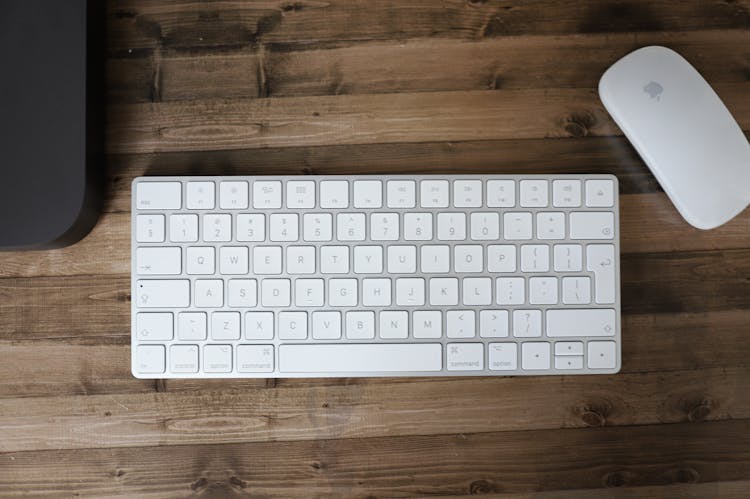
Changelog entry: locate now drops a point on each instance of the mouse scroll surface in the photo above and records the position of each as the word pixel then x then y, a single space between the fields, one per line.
pixel 683 131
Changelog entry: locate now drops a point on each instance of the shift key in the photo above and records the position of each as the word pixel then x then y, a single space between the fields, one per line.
pixel 163 293
pixel 581 322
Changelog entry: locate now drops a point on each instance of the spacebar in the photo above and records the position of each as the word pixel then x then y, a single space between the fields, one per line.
pixel 359 357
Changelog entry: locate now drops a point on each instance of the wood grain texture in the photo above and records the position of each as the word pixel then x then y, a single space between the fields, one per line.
pixel 233 87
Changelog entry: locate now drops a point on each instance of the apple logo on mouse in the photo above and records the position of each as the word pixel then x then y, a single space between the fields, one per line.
pixel 654 90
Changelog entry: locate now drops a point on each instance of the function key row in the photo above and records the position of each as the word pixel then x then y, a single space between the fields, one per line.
pixel 375 194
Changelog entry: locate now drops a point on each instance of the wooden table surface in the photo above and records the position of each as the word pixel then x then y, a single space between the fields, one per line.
pixel 386 86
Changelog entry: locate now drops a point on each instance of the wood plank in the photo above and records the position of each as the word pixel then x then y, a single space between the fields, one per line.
pixel 85 362
pixel 137 24
pixel 416 65
pixel 510 462
pixel 369 119
pixel 373 410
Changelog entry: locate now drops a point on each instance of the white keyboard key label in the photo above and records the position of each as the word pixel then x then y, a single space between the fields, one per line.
pixel 217 358
pixel 160 293
pixel 576 290
pixel 334 259
pixel 183 228
pixel 158 261
pixel 602 354
pixel 401 194
pixel 150 359
pixel 266 194
pixel 600 259
pixel 275 292
pixel 569 348
pixel 468 258
pixel 149 228
pixel 342 292
pixel 534 258
pixel 581 322
pixel 317 227
pixel 255 358
pixel 535 356
pixel 418 226
pixel 477 291
pixel 200 195
pixel 517 226
pixel 183 358
pixel 259 326
pixel 464 356
pixel 568 258
pixel 543 290
pixel 158 195
pixel 233 195
pixel 501 258
pixel 309 292
pixel 434 193
pixel 368 259
pixel 592 225
pixel 569 362
pixel 510 291
pixel 368 194
pixel 550 225
pixel 503 356
pixel 217 227
pixel 284 227
pixel 251 227
pixel 361 357
pixel 192 326
pixel 485 226
pixel 402 259
pixel 225 325
pixel 451 226
pixel 393 324
pixel 154 326
pixel 350 227
pixel 300 194
pixel 443 291
pixel 233 260
pixel 410 292
pixel 600 193
pixel 300 259
pixel 334 194
pixel 384 227
pixel 376 292
pixel 267 260
pixel 435 259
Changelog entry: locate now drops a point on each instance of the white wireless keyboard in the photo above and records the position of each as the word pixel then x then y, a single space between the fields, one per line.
pixel 426 275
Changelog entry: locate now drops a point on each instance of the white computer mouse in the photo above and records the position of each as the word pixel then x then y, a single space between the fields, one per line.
pixel 683 131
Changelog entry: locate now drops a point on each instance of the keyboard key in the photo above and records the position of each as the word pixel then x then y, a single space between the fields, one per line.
pixel 350 227
pixel 410 292
pixel 602 354
pixel 326 325
pixel 566 193
pixel 465 356
pixel 158 196
pixel 200 195
pixel 517 226
pixel 501 193
pixel 360 325
pixel 501 258
pixel 402 259
pixel 217 228
pixel 600 259
pixel 534 258
pixel 225 325
pixel 576 290
pixel 510 291
pixel 434 193
pixel 569 348
pixel 217 358
pixel 368 194
pixel 427 324
pixel 233 195
pixel 317 227
pixel 569 362
pixel 233 260
pixel 527 323
pixel 550 225
pixel 477 291
pixel 467 193
pixel 259 326
pixel 292 326
pixel 334 194
pixel 309 292
pixel 376 292
pixel 368 259
pixel 267 260
pixel 342 292
pixel 592 225
pixel 284 227
pixel 183 228
pixel 154 326
pixel 159 293
pixel 393 324
pixel 361 358
pixel 242 293
pixel 581 322
pixel 485 226
pixel 418 226
pixel 209 293
pixel 300 259
pixel 600 193
pixel 503 356
pixel 543 290
pixel 401 194
pixel 266 194
pixel 149 228
pixel 493 323
pixel 535 356
pixel 384 227
pixel 255 358
pixel 183 358
pixel 533 193
pixel 158 261
pixel 191 326
pixel 300 194
pixel 460 324
pixel 443 291
pixel 251 227
pixel 150 359
pixel 568 258
pixel 451 226
pixel 200 260
pixel 435 259
pixel 275 293
pixel 334 259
